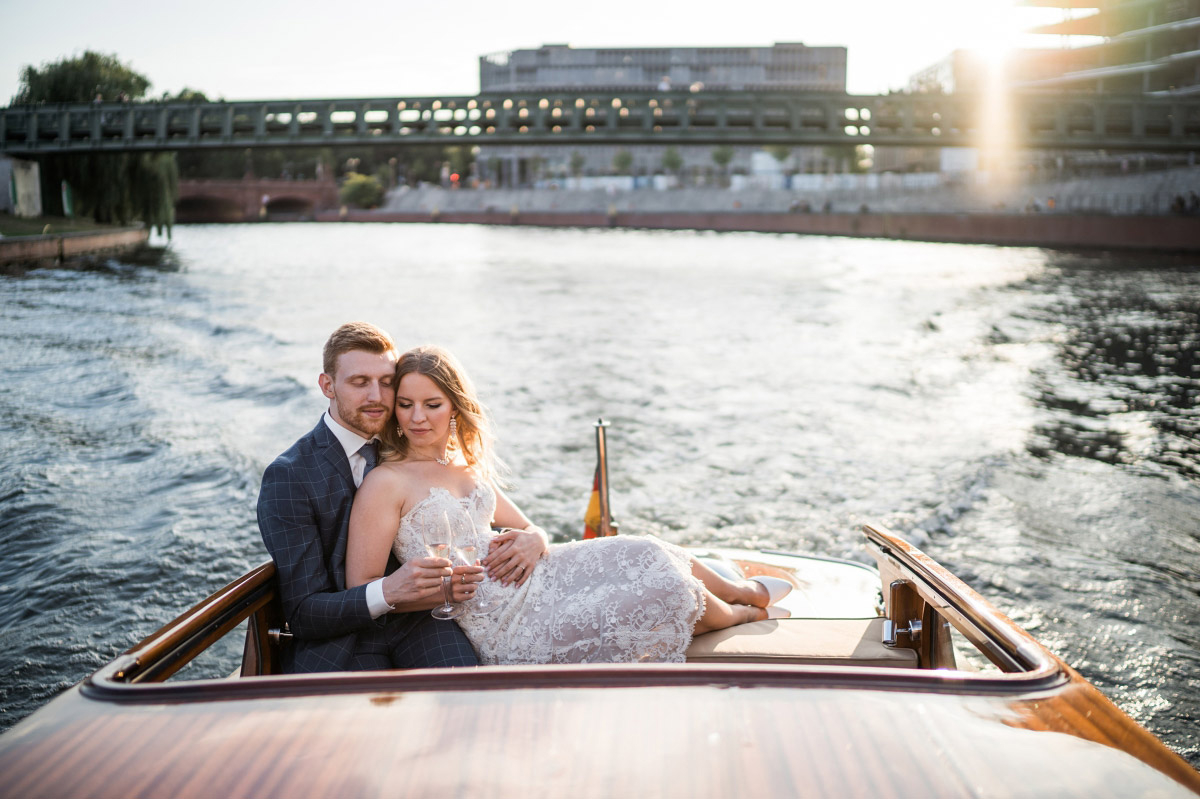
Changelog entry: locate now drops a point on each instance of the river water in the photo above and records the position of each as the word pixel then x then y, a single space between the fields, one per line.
pixel 1028 417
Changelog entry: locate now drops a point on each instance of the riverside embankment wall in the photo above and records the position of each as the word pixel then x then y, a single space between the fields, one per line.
pixel 60 246
pixel 1163 233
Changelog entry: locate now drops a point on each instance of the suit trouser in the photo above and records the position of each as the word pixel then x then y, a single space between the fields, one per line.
pixel 414 641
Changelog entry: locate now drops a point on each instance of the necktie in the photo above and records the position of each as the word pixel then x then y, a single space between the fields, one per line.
pixel 370 455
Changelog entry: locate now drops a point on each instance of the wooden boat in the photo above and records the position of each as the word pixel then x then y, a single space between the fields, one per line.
pixel 900 681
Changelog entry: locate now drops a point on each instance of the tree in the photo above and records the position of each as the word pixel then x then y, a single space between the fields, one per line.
pixel 109 187
pixel 80 80
pixel 721 156
pixel 622 162
pixel 577 162
pixel 383 176
pixel 779 152
pixel 361 190
pixel 672 161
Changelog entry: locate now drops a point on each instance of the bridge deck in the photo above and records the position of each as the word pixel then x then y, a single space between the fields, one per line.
pixel 1046 121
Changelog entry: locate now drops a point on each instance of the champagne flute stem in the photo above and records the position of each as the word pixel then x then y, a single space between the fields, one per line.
pixel 446 590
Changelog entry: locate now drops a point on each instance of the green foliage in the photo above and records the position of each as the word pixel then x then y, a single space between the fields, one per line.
pixel 420 170
pixel 722 155
pixel 779 152
pixel 363 191
pixel 622 162
pixel 672 161
pixel 188 96
pixel 112 188
pixel 459 159
pixel 80 80
pixel 115 188
pixel 383 176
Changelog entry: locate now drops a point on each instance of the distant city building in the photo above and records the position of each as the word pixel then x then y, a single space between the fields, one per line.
pixel 785 66
pixel 1149 47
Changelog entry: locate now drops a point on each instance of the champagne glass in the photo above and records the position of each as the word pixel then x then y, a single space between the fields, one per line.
pixel 438 539
pixel 466 545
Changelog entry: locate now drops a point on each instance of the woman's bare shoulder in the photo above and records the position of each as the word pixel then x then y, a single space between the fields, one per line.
pixel 397 482
pixel 387 479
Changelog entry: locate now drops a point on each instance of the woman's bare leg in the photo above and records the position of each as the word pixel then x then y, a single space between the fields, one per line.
pixel 740 592
pixel 719 614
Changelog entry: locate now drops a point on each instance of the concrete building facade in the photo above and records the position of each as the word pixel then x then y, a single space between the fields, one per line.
pixel 1147 47
pixel 22 187
pixel 784 66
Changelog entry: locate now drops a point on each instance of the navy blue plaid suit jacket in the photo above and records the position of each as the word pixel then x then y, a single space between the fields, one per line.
pixel 304 515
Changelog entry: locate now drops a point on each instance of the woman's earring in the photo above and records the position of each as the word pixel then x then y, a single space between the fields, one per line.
pixel 399 430
pixel 453 428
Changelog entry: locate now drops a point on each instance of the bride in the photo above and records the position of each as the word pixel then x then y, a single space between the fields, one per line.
pixel 616 599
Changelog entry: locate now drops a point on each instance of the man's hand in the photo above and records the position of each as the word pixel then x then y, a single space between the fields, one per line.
pixel 415 580
pixel 513 554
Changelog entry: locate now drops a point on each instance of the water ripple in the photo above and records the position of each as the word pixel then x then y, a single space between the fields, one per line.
pixel 1028 417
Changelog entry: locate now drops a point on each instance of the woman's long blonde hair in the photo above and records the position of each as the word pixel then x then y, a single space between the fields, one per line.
pixel 474 440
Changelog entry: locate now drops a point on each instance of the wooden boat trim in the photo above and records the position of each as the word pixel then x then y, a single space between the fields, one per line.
pixel 138 675
pixel 1000 638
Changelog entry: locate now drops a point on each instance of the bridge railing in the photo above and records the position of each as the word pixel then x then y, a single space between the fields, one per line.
pixel 549 118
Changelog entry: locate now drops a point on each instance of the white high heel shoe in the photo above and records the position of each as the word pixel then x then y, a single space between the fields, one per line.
pixel 777 587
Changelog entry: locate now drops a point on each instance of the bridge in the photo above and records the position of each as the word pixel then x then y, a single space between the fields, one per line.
pixel 253 199
pixel 1039 120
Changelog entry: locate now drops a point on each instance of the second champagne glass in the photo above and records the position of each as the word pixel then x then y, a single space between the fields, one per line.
pixel 465 543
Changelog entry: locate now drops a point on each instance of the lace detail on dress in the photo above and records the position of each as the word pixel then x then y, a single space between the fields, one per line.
pixel 622 599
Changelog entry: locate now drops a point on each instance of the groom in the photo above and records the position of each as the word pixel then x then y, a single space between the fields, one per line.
pixel 304 515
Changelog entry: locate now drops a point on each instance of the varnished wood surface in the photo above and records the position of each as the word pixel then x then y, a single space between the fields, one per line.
pixel 689 731
pixel 692 741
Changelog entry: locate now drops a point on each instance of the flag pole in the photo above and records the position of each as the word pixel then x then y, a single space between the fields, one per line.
pixel 607 525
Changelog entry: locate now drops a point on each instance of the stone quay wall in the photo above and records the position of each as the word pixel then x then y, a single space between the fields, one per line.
pixel 1069 231
pixel 55 247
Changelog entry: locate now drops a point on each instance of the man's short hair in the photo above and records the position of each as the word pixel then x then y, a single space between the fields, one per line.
pixel 355 336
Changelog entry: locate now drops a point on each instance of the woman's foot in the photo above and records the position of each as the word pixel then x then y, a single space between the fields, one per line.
pixel 751 613
pixel 769 590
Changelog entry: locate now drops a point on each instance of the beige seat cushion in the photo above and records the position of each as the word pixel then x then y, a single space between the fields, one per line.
pixel 813 642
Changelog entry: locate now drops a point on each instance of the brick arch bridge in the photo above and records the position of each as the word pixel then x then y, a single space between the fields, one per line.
pixel 251 199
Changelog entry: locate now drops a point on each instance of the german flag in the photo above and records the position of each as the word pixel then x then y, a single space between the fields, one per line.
pixel 591 518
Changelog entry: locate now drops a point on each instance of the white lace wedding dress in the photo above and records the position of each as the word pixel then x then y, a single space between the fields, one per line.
pixel 610 600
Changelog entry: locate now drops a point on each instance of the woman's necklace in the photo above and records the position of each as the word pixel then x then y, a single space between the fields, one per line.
pixel 444 460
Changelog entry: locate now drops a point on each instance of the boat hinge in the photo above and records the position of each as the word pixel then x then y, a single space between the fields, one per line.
pixel 891 631
pixel 278 635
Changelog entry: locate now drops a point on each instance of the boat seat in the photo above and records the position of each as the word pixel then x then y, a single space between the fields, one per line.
pixel 810 642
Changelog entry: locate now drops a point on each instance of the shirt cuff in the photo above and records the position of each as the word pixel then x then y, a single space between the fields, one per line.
pixel 376 604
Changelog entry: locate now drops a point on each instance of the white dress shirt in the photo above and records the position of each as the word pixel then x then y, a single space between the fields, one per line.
pixel 352 442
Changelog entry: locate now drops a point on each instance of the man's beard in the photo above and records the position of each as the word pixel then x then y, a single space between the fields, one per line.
pixel 355 418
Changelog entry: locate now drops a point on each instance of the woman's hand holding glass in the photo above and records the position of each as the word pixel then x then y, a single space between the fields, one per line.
pixel 466 562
